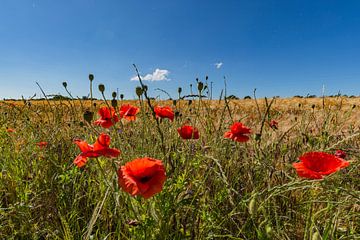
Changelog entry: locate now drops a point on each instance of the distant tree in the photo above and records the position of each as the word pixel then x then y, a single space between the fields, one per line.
pixel 247 97
pixel 298 96
pixel 232 97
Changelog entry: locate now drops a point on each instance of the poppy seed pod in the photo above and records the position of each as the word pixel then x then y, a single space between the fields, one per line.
pixel 113 94
pixel 88 116
pixel 145 88
pixel 200 86
pixel 179 90
pixel 101 88
pixel 177 114
pixel 139 91
pixel 114 103
pixel 121 96
pixel 91 77
pixel 64 84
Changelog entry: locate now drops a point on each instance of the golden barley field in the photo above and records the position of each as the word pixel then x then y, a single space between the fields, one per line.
pixel 184 169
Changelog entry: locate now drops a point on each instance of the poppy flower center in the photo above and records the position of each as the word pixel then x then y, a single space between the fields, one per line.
pixel 145 179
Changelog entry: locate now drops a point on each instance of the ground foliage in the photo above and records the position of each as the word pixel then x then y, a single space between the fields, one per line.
pixel 215 188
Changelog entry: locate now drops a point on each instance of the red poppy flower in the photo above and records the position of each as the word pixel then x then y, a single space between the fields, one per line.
pixel 315 165
pixel 188 132
pixel 164 112
pixel 238 132
pixel 100 148
pixel 41 144
pixel 129 112
pixel 274 124
pixel 142 177
pixel 340 154
pixel 10 130
pixel 107 117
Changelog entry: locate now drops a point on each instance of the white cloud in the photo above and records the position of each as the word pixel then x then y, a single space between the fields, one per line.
pixel 157 75
pixel 218 65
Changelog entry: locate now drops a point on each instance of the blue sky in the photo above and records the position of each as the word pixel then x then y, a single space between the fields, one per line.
pixel 280 47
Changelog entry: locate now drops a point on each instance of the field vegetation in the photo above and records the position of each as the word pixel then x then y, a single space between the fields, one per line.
pixel 215 187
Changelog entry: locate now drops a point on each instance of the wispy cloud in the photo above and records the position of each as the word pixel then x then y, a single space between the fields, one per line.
pixel 157 75
pixel 218 65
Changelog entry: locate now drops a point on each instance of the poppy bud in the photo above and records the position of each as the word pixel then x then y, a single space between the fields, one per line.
pixel 354 106
pixel 174 102
pixel 257 137
pixel 121 96
pixel 197 79
pixel 207 77
pixel 113 94
pixel 91 77
pixel 64 84
pixel 190 102
pixel 114 103
pixel 101 88
pixel 139 91
pixel 340 154
pixel 88 116
pixel 94 104
pixel 179 90
pixel 81 124
pixel 200 86
pixel 313 106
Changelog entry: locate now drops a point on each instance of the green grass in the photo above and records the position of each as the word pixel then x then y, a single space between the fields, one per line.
pixel 215 188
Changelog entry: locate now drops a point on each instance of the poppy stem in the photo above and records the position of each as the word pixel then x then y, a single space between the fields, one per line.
pixel 103 174
pixel 153 113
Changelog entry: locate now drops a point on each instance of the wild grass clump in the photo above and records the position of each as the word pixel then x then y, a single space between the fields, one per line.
pixel 215 188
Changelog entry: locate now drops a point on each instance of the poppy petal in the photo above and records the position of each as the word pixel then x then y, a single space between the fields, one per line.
pixel 102 142
pixel 80 161
pixel 322 162
pixel 143 176
pixel 302 171
pixel 83 145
